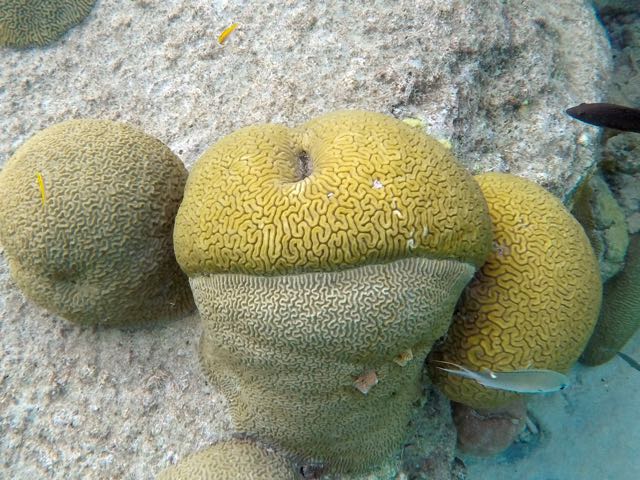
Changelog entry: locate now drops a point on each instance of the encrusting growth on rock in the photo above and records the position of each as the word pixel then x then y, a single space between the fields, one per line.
pixel 318 255
pixel 620 315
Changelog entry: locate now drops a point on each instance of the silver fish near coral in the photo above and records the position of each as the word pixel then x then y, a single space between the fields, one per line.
pixel 518 381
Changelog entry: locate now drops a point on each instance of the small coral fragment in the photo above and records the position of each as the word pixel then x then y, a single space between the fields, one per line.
pixel 403 357
pixel 365 381
pixel 415 122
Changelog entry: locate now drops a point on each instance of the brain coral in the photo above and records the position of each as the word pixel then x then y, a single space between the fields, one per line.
pixel 620 315
pixel 603 221
pixel 25 23
pixel 325 261
pixel 234 459
pixel 345 189
pixel 535 301
pixel 93 241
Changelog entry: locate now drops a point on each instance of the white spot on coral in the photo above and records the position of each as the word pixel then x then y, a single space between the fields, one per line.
pixel 500 250
pixel 330 195
pixel 377 184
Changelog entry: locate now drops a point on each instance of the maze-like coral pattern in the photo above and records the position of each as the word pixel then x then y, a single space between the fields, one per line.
pixel 99 249
pixel 25 23
pixel 620 316
pixel 534 302
pixel 287 352
pixel 345 189
pixel 234 459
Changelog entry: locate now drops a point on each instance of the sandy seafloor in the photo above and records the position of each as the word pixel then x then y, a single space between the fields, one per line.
pixel 590 431
pixel 494 81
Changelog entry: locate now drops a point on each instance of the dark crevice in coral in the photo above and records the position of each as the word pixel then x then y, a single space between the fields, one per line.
pixel 303 167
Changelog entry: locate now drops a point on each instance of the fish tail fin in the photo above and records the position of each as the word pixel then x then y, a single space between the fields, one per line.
pixel 459 371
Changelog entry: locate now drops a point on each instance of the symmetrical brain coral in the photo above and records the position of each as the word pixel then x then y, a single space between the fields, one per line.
pixel 233 459
pixel 620 315
pixel 535 301
pixel 26 23
pixel 325 261
pixel 86 218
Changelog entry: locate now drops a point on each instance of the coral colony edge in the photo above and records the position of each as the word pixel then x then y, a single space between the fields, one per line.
pixel 336 266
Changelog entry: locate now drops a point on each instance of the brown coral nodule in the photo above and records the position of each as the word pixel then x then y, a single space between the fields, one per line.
pixel 488 432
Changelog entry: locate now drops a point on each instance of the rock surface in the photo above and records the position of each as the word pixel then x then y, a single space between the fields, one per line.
pixel 81 402
pixel 494 81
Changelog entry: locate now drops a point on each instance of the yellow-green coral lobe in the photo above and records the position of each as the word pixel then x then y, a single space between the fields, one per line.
pixel 26 23
pixel 101 251
pixel 233 459
pixel 344 189
pixel 533 304
pixel 620 316
pixel 325 261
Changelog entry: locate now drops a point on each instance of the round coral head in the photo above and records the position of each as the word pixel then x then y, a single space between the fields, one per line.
pixel 535 301
pixel 86 220
pixel 345 189
pixel 325 261
pixel 234 459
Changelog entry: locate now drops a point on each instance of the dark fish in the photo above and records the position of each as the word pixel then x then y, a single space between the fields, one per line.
pixel 607 115
pixel 629 360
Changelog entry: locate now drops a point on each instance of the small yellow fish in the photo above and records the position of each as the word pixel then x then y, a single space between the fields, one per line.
pixel 41 187
pixel 226 32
